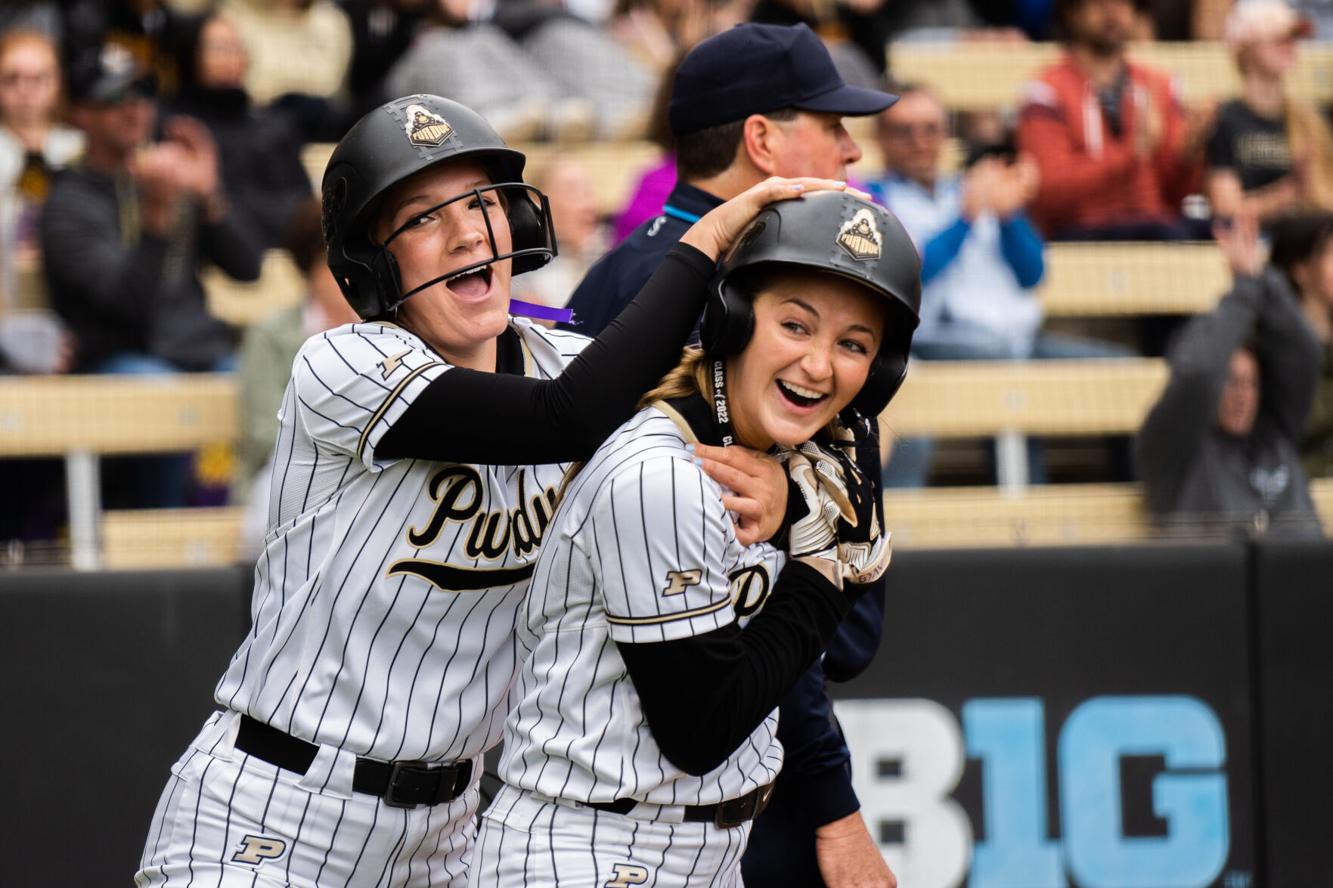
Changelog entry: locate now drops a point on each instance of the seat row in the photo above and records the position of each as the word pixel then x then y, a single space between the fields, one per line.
pixel 81 418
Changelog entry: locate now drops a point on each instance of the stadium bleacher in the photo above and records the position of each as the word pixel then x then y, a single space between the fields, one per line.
pixel 985 76
pixel 82 418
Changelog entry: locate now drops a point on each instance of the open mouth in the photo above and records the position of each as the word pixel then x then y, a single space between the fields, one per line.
pixel 470 284
pixel 800 396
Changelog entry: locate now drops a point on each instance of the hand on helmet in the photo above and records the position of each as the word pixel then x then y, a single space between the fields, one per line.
pixel 716 231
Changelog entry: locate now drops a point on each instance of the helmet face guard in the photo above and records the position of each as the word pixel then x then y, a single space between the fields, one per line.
pixel 528 213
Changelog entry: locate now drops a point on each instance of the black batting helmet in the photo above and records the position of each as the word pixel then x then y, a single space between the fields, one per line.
pixel 396 140
pixel 831 232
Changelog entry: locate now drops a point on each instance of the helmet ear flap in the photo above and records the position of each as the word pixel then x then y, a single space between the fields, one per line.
pixel 728 319
pixel 889 367
pixel 530 228
pixel 387 282
pixel 882 382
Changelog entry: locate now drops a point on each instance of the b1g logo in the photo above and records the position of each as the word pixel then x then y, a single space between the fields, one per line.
pixel 938 850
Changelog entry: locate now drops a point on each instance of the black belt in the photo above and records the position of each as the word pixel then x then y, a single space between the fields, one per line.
pixel 723 815
pixel 399 784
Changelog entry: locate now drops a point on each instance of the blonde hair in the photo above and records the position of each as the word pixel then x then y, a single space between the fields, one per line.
pixel 689 377
pixel 1310 141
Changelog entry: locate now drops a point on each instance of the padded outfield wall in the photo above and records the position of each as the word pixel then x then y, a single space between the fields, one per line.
pixel 1152 716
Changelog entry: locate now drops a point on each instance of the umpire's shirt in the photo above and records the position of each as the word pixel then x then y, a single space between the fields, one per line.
pixel 815 778
pixel 618 276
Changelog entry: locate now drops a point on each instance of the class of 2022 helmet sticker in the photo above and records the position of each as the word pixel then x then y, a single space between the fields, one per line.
pixel 425 128
pixel 860 236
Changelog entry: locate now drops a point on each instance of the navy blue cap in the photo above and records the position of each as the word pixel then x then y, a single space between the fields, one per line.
pixel 757 69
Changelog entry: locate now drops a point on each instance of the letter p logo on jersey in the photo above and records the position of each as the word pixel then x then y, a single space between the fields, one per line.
pixel 255 850
pixel 677 581
pixel 627 875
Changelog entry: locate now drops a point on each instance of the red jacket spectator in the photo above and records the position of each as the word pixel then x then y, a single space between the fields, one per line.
pixel 1091 176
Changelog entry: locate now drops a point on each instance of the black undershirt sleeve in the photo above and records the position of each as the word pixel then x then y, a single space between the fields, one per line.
pixel 501 419
pixel 703 695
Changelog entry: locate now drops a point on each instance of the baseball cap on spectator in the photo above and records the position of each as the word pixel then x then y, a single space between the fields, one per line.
pixel 1251 21
pixel 757 69
pixel 110 78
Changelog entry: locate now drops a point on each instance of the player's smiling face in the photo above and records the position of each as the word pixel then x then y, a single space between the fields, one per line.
pixel 460 316
pixel 815 336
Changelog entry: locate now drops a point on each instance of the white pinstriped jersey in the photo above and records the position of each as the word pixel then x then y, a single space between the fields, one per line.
pixel 386 595
pixel 641 551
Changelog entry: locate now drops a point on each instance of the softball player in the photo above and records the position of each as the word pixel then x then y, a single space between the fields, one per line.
pixel 414 479
pixel 642 743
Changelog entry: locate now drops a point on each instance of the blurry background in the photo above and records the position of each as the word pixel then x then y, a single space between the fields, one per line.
pixel 1091 675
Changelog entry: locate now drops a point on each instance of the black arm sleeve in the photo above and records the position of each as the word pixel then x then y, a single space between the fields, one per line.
pixel 703 695
pixel 499 419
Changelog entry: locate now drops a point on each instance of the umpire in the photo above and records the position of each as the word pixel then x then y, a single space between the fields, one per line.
pixel 749 103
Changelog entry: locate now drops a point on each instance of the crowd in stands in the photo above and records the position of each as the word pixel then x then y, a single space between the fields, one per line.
pixel 1222 444
pixel 144 141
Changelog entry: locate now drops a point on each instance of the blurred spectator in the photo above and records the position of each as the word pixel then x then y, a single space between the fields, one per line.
pixel 654 184
pixel 561 77
pixel 123 234
pixel 580 233
pixel 258 151
pixel 855 32
pixel 858 32
pixel 1268 154
pixel 981 257
pixel 1220 449
pixel 382 31
pixel 1318 12
pixel 122 237
pixel 265 362
pixel 1207 17
pixel 1303 251
pixel 33 145
pixel 749 103
pixel 658 32
pixel 300 52
pixel 1116 151
pixel 146 29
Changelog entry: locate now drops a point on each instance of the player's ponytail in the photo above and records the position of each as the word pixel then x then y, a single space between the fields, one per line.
pixel 689 377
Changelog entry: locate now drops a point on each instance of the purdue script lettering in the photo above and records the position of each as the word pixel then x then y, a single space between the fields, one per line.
pixel 458 492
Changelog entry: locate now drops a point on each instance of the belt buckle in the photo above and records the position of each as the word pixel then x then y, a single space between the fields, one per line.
pixel 411 771
pixel 737 812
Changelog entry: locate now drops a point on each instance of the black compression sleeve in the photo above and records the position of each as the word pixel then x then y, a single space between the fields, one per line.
pixel 500 419
pixel 704 695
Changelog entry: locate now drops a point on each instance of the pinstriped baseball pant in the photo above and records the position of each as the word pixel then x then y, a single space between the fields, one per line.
pixel 531 842
pixel 229 819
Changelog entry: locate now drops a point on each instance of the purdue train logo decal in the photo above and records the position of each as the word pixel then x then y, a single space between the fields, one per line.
pixel 426 129
pixel 860 236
